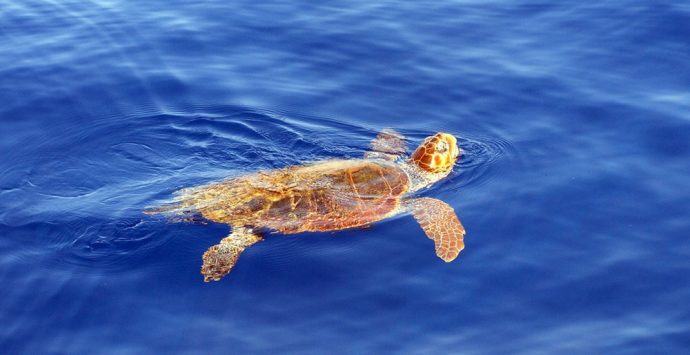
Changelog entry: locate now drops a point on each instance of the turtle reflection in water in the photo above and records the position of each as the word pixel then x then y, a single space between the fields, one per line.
pixel 327 196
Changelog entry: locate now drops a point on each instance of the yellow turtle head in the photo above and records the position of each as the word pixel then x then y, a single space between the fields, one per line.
pixel 437 154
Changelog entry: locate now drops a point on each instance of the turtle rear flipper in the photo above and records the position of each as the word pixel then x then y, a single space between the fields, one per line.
pixel 439 222
pixel 221 258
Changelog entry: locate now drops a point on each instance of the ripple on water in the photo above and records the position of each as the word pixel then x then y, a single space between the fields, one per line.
pixel 96 224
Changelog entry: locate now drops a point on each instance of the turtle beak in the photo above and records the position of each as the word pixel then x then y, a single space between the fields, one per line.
pixel 453 144
pixel 454 151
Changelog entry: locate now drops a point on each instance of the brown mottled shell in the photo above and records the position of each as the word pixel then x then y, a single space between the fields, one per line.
pixel 325 196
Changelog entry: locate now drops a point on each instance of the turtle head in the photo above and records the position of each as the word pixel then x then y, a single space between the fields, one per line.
pixel 437 154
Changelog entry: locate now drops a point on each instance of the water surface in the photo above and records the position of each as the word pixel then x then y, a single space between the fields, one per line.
pixel 573 189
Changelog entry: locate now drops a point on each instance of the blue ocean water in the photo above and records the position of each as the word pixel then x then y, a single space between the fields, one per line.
pixel 574 118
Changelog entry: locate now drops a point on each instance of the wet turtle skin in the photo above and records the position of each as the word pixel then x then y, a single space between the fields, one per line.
pixel 325 196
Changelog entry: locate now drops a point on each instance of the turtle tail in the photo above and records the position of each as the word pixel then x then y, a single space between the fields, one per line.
pixel 183 202
pixel 168 208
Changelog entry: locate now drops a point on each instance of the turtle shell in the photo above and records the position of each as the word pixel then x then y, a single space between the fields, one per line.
pixel 324 196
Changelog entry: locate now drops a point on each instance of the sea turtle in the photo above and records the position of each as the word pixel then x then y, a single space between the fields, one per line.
pixel 327 196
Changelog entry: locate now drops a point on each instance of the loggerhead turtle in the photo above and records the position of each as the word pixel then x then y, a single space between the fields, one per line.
pixel 327 196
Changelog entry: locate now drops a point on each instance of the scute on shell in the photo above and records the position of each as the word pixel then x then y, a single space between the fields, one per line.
pixel 325 196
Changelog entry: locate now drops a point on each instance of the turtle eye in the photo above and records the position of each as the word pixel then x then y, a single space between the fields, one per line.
pixel 442 146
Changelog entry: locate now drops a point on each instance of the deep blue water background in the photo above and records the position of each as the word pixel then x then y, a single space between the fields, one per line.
pixel 574 189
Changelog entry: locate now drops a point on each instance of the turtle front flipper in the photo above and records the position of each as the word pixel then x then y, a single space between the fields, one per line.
pixel 439 222
pixel 388 144
pixel 221 258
